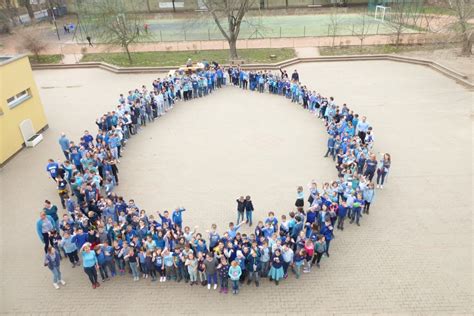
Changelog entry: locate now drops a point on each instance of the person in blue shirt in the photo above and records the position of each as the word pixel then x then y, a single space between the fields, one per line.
pixel 44 226
pixel 327 232
pixel 90 264
pixel 64 143
pixel 341 215
pixel 177 216
pixel 368 195
pixel 52 169
pixel 233 229
pixel 101 262
pixel 330 151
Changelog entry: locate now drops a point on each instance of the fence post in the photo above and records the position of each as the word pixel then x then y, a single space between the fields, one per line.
pixel 185 35
pixel 161 36
pixel 209 33
pixel 304 31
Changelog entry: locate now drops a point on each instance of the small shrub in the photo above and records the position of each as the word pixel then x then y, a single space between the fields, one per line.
pixel 34 44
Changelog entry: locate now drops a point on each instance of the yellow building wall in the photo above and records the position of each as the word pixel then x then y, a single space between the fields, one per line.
pixel 16 76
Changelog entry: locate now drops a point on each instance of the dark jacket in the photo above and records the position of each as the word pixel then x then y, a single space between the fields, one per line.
pixel 248 206
pixel 253 264
pixel 240 206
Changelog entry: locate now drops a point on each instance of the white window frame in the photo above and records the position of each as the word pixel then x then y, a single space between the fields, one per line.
pixel 19 98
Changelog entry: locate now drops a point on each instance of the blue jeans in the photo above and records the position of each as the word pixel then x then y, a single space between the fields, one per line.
pixel 56 274
pixel 212 278
pixel 355 214
pixel 248 215
pixel 240 217
pixel 235 285
pixel 134 268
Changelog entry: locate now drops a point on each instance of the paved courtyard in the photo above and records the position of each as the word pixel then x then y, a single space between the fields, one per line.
pixel 413 254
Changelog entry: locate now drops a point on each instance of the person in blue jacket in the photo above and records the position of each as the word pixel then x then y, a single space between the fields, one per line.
pixel 341 215
pixel 64 143
pixel 177 216
pixel 44 226
pixel 327 232
pixel 52 261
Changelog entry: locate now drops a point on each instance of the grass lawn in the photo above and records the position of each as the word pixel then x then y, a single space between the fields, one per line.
pixel 373 49
pixel 46 59
pixel 179 58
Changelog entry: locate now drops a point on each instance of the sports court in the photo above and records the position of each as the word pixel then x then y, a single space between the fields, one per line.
pixel 271 27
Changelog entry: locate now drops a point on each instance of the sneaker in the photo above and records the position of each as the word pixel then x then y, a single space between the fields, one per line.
pixel 56 286
pixel 97 284
pixel 215 286
pixel 78 264
pixel 62 282
pixel 381 186
pixel 208 286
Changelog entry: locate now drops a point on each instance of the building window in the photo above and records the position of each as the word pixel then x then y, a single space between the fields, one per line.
pixel 19 98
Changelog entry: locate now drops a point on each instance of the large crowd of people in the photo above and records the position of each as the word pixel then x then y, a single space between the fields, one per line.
pixel 112 237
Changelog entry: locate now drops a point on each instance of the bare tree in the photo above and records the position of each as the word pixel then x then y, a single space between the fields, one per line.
pixel 34 44
pixel 111 22
pixel 230 12
pixel 403 15
pixel 8 14
pixel 463 11
pixel 362 29
pixel 334 19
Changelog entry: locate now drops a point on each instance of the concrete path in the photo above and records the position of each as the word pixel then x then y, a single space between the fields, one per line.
pixel 71 58
pixel 412 254
pixel 307 52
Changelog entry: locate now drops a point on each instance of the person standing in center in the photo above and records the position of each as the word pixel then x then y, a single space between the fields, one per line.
pixel 90 264
pixel 240 209
pixel 248 206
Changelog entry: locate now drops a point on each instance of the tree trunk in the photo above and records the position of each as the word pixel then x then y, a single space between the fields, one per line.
pixel 397 41
pixel 29 8
pixel 233 48
pixel 125 46
pixel 466 44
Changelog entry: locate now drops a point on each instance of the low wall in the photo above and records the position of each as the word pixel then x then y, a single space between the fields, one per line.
pixel 448 72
